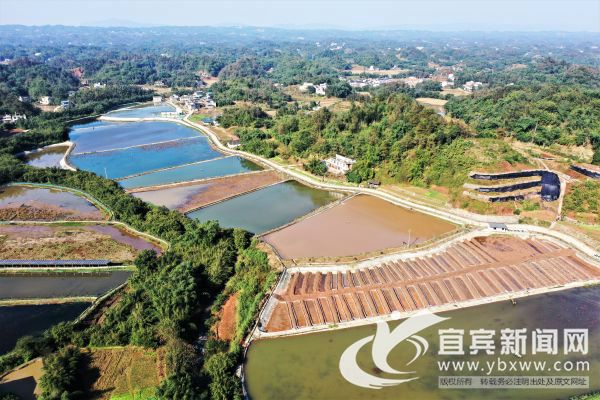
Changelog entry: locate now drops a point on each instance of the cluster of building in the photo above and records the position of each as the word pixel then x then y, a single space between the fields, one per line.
pixel 195 101
pixel 472 86
pixel 369 82
pixel 9 119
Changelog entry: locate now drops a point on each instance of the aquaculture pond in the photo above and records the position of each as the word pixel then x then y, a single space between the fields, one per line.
pixel 142 111
pixel 307 366
pixel 191 196
pixel 46 157
pixel 71 241
pixel 267 208
pixel 201 170
pixel 361 224
pixel 40 285
pixel 18 321
pixel 38 203
pixel 103 136
pixel 135 160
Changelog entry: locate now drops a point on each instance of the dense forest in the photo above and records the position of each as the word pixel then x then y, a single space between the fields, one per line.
pixel 543 114
pixel 393 136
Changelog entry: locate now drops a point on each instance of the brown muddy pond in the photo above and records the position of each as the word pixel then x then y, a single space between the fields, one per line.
pixel 189 197
pixel 59 242
pixel 361 224
pixel 122 236
pixel 46 157
pixel 19 203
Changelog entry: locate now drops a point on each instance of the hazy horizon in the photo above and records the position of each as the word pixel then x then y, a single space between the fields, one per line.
pixel 354 15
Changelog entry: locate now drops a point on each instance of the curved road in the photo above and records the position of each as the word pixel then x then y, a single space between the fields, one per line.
pixel 467 218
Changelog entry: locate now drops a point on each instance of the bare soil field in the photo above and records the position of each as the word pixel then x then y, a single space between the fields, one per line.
pixel 188 197
pixel 455 92
pixel 122 370
pixel 361 224
pixel 57 242
pixel 23 381
pixel 435 104
pixel 479 268
pixel 226 326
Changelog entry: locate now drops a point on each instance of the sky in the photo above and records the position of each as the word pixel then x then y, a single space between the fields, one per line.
pixel 487 15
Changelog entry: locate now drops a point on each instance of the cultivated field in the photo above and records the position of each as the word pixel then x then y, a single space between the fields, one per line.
pixel 122 371
pixel 23 381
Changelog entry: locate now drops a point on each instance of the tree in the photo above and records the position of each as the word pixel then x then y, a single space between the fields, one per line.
pixel 59 380
pixel 223 386
pixel 360 172
pixel 316 167
pixel 341 89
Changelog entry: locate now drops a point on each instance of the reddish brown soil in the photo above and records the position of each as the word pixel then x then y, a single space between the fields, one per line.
pixel 227 322
pixel 478 268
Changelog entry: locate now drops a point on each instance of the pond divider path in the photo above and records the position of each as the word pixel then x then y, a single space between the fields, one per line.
pixel 455 216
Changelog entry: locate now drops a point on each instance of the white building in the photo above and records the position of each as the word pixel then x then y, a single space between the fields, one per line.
pixel 320 89
pixel 65 104
pixel 24 99
pixel 472 86
pixel 157 99
pixel 339 165
pixel 45 100
pixel 7 118
pixel 99 85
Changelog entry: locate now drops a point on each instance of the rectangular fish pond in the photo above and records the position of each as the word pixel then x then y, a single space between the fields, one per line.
pixel 268 208
pixel 308 366
pixel 142 111
pixel 201 170
pixel 135 160
pixel 102 136
pixel 18 321
pixel 44 285
pixel 46 157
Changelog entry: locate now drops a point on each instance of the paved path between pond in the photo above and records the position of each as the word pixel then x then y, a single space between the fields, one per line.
pixel 469 219
pixel 456 216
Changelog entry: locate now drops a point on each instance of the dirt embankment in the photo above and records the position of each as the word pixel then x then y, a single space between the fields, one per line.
pixel 226 326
